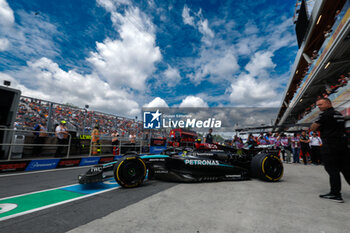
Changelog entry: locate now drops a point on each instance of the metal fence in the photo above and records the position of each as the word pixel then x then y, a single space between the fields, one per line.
pixel 22 144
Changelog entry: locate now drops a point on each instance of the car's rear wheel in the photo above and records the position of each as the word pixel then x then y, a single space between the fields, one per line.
pixel 130 171
pixel 267 167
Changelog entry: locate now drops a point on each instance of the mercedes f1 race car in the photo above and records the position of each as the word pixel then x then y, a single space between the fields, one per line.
pixel 208 162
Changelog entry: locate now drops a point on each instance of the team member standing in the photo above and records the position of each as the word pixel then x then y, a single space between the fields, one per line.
pixel 95 139
pixel 39 137
pixel 115 143
pixel 296 148
pixel 209 137
pixel 62 137
pixel 285 148
pixel 335 153
pixel 315 143
pixel 304 144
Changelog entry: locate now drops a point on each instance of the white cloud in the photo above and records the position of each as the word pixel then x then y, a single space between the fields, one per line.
pixel 258 86
pixel 119 66
pixel 14 83
pixel 50 82
pixel 7 17
pixel 172 76
pixel 255 88
pixel 186 17
pixel 204 28
pixel 7 20
pixel 248 45
pixel 62 86
pixel 250 28
pixel 215 65
pixel 33 37
pixel 259 63
pixel 246 90
pixel 217 60
pixel 112 5
pixel 198 22
pixel 193 101
pixel 4 44
pixel 276 36
pixel 157 102
pixel 280 36
pixel 131 60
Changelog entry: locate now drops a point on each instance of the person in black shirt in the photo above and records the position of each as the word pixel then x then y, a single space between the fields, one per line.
pixel 304 143
pixel 335 153
pixel 209 137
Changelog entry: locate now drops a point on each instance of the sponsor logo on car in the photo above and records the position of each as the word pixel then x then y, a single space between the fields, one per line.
pixel 161 172
pixel 157 160
pixel 96 169
pixel 208 179
pixel 201 162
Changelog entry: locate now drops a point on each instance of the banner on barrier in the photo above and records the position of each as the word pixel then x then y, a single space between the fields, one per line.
pixel 89 161
pixel 13 166
pixel 106 159
pixel 68 163
pixel 156 149
pixel 42 164
pixel 117 157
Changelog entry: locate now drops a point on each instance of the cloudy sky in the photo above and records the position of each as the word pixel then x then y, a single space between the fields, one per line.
pixel 120 55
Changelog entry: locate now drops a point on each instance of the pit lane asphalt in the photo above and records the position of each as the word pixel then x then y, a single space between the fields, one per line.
pixel 70 215
pixel 289 206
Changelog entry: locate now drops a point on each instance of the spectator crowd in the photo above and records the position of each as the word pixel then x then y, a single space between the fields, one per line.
pixel 329 91
pixel 31 111
pixel 292 148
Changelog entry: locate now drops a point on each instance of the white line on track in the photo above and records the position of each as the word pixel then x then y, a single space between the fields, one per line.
pixel 56 204
pixel 40 191
pixel 51 170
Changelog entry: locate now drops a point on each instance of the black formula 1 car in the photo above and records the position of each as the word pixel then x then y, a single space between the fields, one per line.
pixel 216 163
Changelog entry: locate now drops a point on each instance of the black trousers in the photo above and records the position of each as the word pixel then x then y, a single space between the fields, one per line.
pixel 304 151
pixel 38 149
pixel 316 155
pixel 336 160
pixel 60 149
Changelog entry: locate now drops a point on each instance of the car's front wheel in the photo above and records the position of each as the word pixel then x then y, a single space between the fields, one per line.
pixel 130 171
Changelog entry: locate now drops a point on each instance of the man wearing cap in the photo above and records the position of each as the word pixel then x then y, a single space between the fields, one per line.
pixel 62 136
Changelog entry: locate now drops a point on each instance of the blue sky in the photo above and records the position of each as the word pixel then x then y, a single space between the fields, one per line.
pixel 120 55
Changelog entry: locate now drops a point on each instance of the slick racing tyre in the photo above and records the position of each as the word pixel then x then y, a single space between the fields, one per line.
pixel 130 171
pixel 267 167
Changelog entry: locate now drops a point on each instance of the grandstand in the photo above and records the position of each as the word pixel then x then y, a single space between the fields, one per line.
pixel 322 64
pixel 32 110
